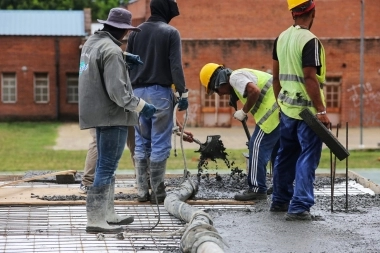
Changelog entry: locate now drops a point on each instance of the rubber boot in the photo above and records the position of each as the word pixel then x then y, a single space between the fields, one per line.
pixel 142 179
pixel 96 208
pixel 111 216
pixel 157 177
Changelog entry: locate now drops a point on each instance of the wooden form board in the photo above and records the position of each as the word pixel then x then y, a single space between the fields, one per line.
pixel 11 196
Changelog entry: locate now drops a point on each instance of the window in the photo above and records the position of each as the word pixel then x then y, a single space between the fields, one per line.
pixel 41 88
pixel 332 93
pixel 8 88
pixel 215 99
pixel 72 88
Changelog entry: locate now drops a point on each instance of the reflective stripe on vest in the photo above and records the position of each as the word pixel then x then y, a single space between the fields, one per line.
pixel 264 90
pixel 268 114
pixel 295 78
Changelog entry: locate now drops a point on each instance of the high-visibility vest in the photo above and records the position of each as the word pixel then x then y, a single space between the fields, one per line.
pixel 293 97
pixel 265 111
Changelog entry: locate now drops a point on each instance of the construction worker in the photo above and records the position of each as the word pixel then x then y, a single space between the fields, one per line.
pixel 107 103
pixel 159 46
pixel 254 89
pixel 298 75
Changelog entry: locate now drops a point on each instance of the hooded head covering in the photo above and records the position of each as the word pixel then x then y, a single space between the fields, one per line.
pixel 219 78
pixel 166 9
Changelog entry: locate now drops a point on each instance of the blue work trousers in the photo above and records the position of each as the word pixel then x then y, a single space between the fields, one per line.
pixel 295 165
pixel 153 136
pixel 110 143
pixel 261 147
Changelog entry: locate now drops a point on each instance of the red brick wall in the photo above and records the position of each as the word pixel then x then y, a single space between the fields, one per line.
pixel 234 33
pixel 201 19
pixel 343 60
pixel 38 54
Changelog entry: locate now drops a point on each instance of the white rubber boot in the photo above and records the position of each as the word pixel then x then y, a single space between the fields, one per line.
pixel 111 216
pixel 96 207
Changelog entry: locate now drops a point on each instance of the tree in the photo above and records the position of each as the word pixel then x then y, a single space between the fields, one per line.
pixel 99 8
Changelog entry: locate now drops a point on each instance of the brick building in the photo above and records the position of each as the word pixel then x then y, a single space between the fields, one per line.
pixel 237 34
pixel 240 33
pixel 39 63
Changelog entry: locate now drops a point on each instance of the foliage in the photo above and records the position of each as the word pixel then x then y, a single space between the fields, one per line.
pixel 99 8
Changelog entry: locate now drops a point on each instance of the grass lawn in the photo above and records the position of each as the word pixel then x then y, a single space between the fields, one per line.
pixel 28 146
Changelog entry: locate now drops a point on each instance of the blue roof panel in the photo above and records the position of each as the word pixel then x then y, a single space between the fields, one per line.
pixel 42 22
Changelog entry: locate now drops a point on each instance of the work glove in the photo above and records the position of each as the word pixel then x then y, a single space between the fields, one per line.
pixel 148 110
pixel 240 115
pixel 183 103
pixel 132 60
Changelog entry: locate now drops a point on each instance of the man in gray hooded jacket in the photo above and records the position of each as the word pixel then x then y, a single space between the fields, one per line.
pixel 107 103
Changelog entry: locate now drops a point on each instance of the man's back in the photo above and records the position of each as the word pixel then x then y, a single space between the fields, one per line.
pixel 158 46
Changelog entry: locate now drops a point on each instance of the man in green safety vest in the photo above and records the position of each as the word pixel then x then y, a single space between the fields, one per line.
pixel 298 76
pixel 254 89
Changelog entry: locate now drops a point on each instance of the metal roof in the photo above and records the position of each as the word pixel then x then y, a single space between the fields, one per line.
pixel 42 22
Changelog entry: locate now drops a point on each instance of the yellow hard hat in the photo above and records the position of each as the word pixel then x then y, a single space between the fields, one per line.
pixel 205 75
pixel 294 3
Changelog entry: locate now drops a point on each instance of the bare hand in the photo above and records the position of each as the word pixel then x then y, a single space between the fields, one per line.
pixel 324 119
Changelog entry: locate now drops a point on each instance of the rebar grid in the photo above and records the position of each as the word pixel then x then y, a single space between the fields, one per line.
pixel 32 229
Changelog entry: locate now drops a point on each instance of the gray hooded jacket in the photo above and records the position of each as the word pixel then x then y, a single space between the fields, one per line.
pixel 105 93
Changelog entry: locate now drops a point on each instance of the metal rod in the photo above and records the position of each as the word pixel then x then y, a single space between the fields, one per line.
pixel 361 71
pixel 331 181
pixel 347 168
pixel 334 168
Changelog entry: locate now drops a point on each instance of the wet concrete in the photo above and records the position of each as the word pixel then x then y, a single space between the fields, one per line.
pixel 255 229
pixel 258 230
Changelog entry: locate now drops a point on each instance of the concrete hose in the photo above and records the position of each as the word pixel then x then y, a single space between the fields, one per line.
pixel 200 236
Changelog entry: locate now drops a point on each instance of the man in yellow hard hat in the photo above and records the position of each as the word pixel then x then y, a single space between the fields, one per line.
pixel 254 89
pixel 298 75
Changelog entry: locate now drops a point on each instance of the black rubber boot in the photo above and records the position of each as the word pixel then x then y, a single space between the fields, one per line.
pixel 111 216
pixel 142 180
pixel 157 172
pixel 96 208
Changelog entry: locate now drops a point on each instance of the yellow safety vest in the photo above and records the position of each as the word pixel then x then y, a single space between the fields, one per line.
pixel 293 97
pixel 265 111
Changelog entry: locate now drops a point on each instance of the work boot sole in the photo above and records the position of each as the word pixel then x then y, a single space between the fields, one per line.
pixel 96 230
pixel 250 197
pixel 126 221
pixel 144 198
pixel 305 216
pixel 279 208
pixel 160 199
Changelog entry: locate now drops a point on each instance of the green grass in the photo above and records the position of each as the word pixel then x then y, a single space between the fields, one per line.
pixel 28 146
pixel 366 158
